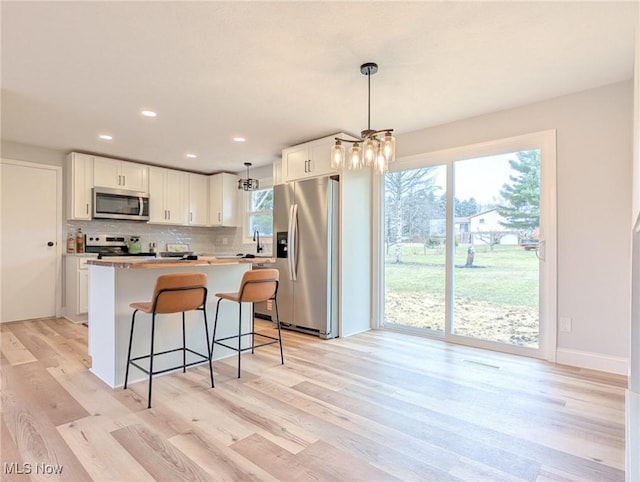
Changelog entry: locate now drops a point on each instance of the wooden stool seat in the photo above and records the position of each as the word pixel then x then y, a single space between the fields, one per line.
pixel 173 293
pixel 256 286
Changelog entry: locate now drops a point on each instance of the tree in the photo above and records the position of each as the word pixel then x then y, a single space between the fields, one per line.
pixel 468 207
pixel 521 208
pixel 406 198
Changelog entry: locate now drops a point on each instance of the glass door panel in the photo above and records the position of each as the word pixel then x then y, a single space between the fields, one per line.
pixel 415 240
pixel 496 275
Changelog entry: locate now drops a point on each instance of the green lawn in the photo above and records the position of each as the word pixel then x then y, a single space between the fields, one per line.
pixel 496 300
pixel 507 275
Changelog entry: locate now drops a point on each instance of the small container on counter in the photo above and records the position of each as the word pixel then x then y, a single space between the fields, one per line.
pixel 71 243
pixel 80 242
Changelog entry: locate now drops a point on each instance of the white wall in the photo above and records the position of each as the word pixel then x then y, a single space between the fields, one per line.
pixel 29 153
pixel 633 394
pixel 594 153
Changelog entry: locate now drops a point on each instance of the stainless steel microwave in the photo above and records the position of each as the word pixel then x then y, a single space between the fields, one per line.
pixel 120 204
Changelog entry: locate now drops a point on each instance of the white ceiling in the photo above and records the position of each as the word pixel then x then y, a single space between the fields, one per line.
pixel 280 73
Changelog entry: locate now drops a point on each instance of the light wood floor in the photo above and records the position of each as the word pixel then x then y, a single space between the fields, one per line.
pixel 376 406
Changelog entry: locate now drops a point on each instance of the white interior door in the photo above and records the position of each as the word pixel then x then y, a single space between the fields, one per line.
pixel 30 236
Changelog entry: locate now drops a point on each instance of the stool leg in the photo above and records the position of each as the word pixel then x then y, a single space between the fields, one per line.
pixel 253 327
pixel 206 333
pixel 153 329
pixel 239 335
pixel 126 373
pixel 184 347
pixel 275 303
pixel 215 325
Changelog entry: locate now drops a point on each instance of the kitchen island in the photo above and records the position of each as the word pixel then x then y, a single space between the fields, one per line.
pixel 116 282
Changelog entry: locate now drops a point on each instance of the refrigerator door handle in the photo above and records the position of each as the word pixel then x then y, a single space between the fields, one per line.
pixel 293 245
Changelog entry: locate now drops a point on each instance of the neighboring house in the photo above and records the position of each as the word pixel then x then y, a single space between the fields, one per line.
pixel 484 227
pixel 488 227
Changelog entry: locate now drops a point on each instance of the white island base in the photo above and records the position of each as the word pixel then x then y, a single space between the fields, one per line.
pixel 113 287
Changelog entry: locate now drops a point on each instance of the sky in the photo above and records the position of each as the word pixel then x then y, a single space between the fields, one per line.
pixel 481 178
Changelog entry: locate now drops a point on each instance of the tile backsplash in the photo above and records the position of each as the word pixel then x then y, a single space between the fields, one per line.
pixel 201 240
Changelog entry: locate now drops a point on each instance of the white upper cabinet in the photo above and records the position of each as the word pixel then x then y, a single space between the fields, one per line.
pixel 198 200
pixel 311 159
pixel 223 200
pixel 118 174
pixel 168 196
pixel 79 182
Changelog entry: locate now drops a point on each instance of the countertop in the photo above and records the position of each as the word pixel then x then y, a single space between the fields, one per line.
pixel 139 262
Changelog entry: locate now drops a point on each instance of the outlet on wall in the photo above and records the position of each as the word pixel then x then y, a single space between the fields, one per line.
pixel 565 324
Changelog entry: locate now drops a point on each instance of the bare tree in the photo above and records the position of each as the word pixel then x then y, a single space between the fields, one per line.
pixel 399 188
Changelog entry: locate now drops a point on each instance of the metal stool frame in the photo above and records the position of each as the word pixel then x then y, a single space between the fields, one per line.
pixel 184 349
pixel 251 333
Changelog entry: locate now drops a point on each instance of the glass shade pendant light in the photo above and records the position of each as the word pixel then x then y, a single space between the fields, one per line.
pixel 375 153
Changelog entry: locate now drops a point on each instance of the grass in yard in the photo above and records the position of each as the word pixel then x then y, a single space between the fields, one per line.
pixel 497 299
pixel 506 275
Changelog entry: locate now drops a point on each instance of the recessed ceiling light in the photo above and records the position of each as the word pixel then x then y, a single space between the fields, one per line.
pixel 105 137
pixel 239 139
pixel 191 156
pixel 148 113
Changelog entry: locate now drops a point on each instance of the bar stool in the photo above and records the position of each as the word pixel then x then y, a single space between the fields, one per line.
pixel 256 286
pixel 173 293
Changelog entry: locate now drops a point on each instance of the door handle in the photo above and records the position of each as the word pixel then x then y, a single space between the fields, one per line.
pixel 293 247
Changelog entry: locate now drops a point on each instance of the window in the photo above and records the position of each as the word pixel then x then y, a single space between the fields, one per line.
pixel 259 213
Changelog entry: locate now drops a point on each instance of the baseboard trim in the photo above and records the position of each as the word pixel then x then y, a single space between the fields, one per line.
pixel 633 436
pixel 593 361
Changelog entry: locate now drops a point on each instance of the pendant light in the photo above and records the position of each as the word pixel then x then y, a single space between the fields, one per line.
pixel 375 148
pixel 248 184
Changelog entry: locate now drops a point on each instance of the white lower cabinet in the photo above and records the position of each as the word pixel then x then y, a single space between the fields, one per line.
pixel 76 288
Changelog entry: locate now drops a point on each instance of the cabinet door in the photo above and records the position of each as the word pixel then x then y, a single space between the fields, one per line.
pixel 198 200
pixel 157 209
pixel 79 177
pixel 83 291
pixel 134 177
pixel 106 173
pixel 229 199
pixel 175 196
pixel 223 200
pixel 295 161
pixel 215 200
pixel 320 158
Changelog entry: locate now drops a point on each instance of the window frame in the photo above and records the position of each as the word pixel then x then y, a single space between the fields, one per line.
pixel 247 237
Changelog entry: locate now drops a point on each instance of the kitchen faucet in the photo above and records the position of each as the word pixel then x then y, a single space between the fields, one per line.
pixel 256 238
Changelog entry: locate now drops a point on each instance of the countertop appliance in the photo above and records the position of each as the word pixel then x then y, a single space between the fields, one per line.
pixel 120 204
pixel 112 245
pixel 305 226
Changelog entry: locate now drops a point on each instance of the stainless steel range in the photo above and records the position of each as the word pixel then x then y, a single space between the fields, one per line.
pixel 114 245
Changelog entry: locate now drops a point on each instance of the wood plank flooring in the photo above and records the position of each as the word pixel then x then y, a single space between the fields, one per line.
pixel 378 406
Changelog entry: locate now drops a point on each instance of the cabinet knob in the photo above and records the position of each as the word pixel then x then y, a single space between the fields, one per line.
pixel 50 243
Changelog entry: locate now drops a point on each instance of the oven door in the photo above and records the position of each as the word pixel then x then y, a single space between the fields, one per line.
pixel 119 204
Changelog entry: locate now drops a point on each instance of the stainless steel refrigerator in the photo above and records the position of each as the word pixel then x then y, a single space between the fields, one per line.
pixel 305 226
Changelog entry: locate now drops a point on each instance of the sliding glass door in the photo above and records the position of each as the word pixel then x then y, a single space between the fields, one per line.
pixel 468 245
pixel 415 243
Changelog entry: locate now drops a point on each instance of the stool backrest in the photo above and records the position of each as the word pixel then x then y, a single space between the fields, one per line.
pixel 178 292
pixel 259 285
